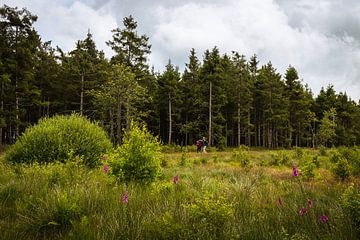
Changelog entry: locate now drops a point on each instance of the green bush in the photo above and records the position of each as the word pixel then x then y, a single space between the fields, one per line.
pixel 209 218
pixel 60 138
pixel 308 170
pixel 350 201
pixel 241 155
pixel 279 158
pixel 342 169
pixel 138 158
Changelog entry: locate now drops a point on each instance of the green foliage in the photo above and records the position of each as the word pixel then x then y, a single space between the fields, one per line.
pixel 60 138
pixel 322 151
pixel 327 127
pixel 163 227
pixel 342 168
pixel 350 201
pixel 241 155
pixel 138 158
pixel 308 170
pixel 210 217
pixel 279 158
pixel 216 201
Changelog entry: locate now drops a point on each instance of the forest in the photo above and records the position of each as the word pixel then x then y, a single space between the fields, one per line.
pixel 228 98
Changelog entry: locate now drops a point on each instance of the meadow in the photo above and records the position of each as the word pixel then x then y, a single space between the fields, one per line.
pixel 238 193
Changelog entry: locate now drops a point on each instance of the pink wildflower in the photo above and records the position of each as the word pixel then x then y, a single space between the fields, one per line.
pixel 176 179
pixel 295 171
pixel 302 211
pixel 104 158
pixel 125 198
pixel 280 201
pixel 310 203
pixel 106 168
pixel 324 218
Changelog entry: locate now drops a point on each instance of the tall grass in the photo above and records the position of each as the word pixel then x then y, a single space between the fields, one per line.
pixel 215 198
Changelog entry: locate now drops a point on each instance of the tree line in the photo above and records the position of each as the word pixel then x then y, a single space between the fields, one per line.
pixel 228 98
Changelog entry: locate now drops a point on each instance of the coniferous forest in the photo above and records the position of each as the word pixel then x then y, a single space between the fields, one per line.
pixel 229 98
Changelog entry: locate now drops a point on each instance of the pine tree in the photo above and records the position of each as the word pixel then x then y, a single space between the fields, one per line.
pixel 327 128
pixel 19 44
pixel 169 98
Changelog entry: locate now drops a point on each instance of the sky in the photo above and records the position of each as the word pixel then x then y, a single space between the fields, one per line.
pixel 321 39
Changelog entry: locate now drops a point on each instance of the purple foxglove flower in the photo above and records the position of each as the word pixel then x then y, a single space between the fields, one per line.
pixel 106 168
pixel 324 218
pixel 176 179
pixel 125 198
pixel 280 201
pixel 302 211
pixel 310 203
pixel 295 171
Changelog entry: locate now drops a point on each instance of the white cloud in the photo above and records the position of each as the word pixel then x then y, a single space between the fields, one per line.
pixel 65 22
pixel 320 38
pixel 260 27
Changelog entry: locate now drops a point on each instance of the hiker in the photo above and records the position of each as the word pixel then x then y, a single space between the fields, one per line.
pixel 199 144
pixel 205 144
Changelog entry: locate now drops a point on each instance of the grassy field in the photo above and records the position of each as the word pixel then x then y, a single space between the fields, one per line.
pixel 233 194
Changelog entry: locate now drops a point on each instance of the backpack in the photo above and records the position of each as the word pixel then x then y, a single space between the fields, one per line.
pixel 198 143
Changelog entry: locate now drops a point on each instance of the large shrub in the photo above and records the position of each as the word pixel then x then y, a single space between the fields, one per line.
pixel 60 138
pixel 138 158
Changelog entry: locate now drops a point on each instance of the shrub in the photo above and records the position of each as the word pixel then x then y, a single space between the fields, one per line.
pixel 350 201
pixel 322 151
pixel 137 159
pixel 209 218
pixel 241 155
pixel 163 227
pixel 308 170
pixel 279 158
pixel 342 169
pixel 60 138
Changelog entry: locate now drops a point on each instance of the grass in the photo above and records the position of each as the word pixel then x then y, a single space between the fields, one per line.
pixel 218 196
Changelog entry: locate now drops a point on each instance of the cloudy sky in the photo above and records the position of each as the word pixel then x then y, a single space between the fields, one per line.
pixel 321 39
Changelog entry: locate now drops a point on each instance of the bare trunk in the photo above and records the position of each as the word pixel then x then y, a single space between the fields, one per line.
pixel 118 123
pixel 16 90
pixel 2 113
pixel 186 133
pixel 127 115
pixel 238 123
pixel 82 95
pixel 170 120
pixel 210 114
pixel 111 124
pixel 248 130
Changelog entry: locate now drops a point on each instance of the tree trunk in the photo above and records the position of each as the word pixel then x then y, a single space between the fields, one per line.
pixel 248 130
pixel 238 122
pixel 210 114
pixel 111 125
pixel 186 132
pixel 16 88
pixel 127 115
pixel 2 113
pixel 118 123
pixel 82 95
pixel 170 120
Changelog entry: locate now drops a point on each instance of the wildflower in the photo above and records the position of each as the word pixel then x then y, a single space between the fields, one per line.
pixel 125 198
pixel 104 158
pixel 310 203
pixel 106 168
pixel 280 201
pixel 324 218
pixel 295 171
pixel 302 211
pixel 176 179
